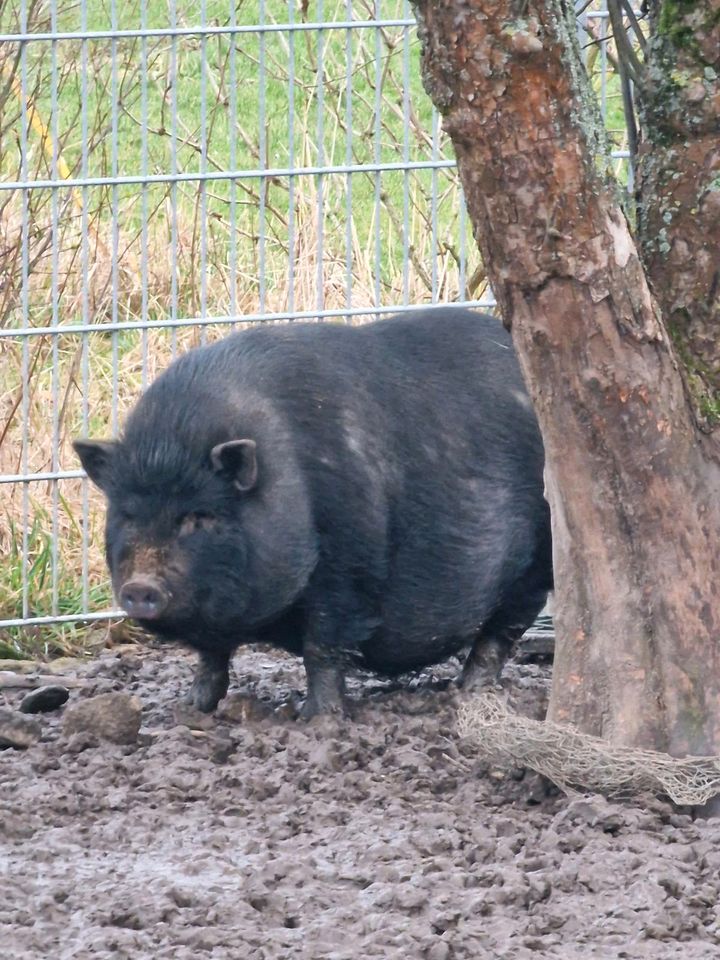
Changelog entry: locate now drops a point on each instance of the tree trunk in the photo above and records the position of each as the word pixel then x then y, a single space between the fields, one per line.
pixel 633 486
pixel 679 187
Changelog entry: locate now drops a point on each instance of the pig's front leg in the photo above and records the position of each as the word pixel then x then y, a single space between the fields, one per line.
pixel 337 623
pixel 211 681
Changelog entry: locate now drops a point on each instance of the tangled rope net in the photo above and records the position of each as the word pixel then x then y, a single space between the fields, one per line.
pixel 575 760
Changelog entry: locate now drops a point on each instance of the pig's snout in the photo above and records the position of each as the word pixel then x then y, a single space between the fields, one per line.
pixel 143 598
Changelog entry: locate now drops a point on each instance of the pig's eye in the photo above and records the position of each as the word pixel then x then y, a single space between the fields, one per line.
pixel 193 522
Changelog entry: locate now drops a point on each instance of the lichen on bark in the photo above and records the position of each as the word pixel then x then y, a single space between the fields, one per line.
pixel 678 204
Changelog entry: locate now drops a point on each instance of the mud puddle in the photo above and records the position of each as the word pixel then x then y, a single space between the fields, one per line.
pixel 250 835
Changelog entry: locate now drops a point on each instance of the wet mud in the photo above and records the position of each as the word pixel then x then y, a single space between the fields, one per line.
pixel 252 835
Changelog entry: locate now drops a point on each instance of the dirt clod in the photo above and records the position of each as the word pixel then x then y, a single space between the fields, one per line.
pixel 193 719
pixel 243 708
pixel 110 716
pixel 18 731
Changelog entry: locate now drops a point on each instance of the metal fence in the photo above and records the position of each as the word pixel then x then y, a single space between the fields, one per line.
pixel 168 169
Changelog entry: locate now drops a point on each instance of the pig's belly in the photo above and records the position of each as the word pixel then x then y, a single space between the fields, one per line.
pixel 388 654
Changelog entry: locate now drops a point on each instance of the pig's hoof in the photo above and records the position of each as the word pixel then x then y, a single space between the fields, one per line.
pixel 206 693
pixel 204 704
pixel 476 683
pixel 314 708
pixel 479 677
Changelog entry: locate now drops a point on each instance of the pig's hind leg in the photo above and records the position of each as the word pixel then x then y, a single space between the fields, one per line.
pixel 211 681
pixel 325 682
pixel 494 642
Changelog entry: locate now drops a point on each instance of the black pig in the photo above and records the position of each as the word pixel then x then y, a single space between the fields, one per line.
pixel 356 495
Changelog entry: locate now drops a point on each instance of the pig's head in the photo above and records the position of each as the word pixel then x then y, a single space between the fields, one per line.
pixel 205 541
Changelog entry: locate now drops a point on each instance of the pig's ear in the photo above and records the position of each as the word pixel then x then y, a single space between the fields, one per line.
pixel 96 457
pixel 238 461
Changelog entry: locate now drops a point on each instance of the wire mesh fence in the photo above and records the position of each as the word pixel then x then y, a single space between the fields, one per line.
pixel 169 168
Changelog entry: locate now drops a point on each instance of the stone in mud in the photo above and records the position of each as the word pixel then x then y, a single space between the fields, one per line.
pixel 18 731
pixel 44 699
pixel 110 716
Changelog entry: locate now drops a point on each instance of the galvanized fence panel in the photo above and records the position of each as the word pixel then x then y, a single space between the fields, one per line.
pixel 170 169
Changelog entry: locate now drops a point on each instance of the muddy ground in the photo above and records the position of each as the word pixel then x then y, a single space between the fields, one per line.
pixel 257 836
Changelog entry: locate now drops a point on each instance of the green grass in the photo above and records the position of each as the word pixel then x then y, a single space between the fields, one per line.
pixel 50 586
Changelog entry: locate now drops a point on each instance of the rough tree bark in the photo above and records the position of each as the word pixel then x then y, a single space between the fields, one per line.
pixel 633 484
pixel 679 187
